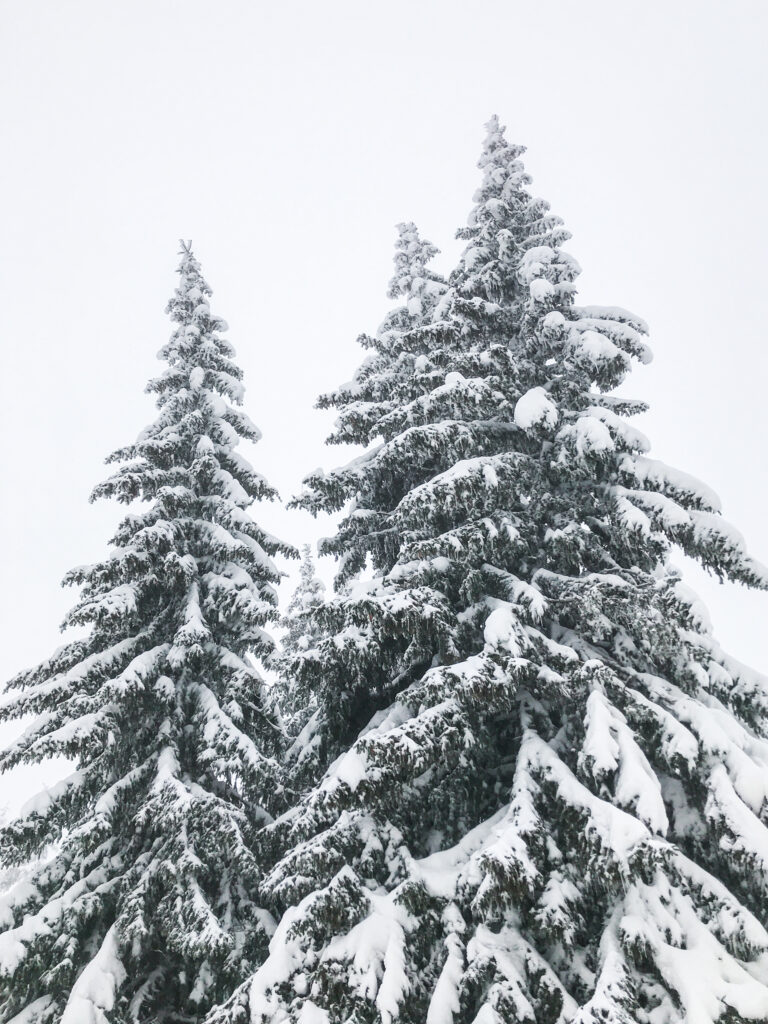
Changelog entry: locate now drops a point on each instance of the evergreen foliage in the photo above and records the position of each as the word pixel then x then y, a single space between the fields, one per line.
pixel 299 621
pixel 295 701
pixel 542 785
pixel 365 638
pixel 142 907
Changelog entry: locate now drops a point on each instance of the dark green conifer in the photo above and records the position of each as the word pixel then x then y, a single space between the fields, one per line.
pixel 143 906
pixel 543 788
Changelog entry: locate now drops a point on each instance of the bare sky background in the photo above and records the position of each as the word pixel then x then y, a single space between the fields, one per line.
pixel 287 139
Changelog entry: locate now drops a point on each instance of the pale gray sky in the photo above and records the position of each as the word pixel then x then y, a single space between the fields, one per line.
pixel 287 139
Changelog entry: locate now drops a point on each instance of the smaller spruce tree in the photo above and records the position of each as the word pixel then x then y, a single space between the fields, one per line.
pixel 295 701
pixel 143 905
pixel 371 632
pixel 299 620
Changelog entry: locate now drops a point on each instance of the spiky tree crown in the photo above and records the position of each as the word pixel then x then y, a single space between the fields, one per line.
pixel 547 786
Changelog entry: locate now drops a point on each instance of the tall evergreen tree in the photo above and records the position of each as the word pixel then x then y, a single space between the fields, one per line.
pixel 143 907
pixel 548 795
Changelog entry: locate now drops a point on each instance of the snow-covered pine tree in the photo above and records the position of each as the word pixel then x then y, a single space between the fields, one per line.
pixel 296 702
pixel 344 679
pixel 143 906
pixel 368 403
pixel 300 626
pixel 555 808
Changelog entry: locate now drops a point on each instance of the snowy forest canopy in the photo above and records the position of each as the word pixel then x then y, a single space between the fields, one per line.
pixel 504 773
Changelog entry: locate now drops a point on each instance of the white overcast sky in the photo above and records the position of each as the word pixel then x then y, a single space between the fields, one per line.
pixel 287 139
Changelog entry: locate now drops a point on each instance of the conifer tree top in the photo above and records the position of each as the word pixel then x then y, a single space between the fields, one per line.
pixel 412 254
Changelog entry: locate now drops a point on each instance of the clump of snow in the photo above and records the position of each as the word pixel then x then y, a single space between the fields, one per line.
pixel 596 346
pixel 35 1012
pixel 503 629
pixel 535 408
pixel 541 289
pixel 311 1013
pixel 592 436
pixel 553 322
pixel 534 262
pixel 350 768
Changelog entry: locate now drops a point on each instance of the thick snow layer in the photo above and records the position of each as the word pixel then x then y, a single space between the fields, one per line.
pixel 732 748
pixel 535 407
pixel 42 801
pixel 627 333
pixel 553 322
pixel 440 872
pixel 616 830
pixel 686 951
pixel 311 1013
pixel 696 607
pixel 285 959
pixel 617 313
pixel 93 995
pixel 503 629
pixel 502 837
pixel 35 1013
pixel 596 347
pixel 376 949
pixel 350 769
pixel 657 475
pixel 535 261
pixel 221 733
pixel 610 746
pixel 590 435
pixel 445 1004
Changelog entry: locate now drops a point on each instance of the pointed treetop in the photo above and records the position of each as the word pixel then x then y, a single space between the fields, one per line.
pixel 412 254
pixel 364 400
pixel 189 302
pixel 310 589
pixel 505 220
pixel 189 268
pixel 420 286
pixel 500 160
pixel 497 152
pixel 307 571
